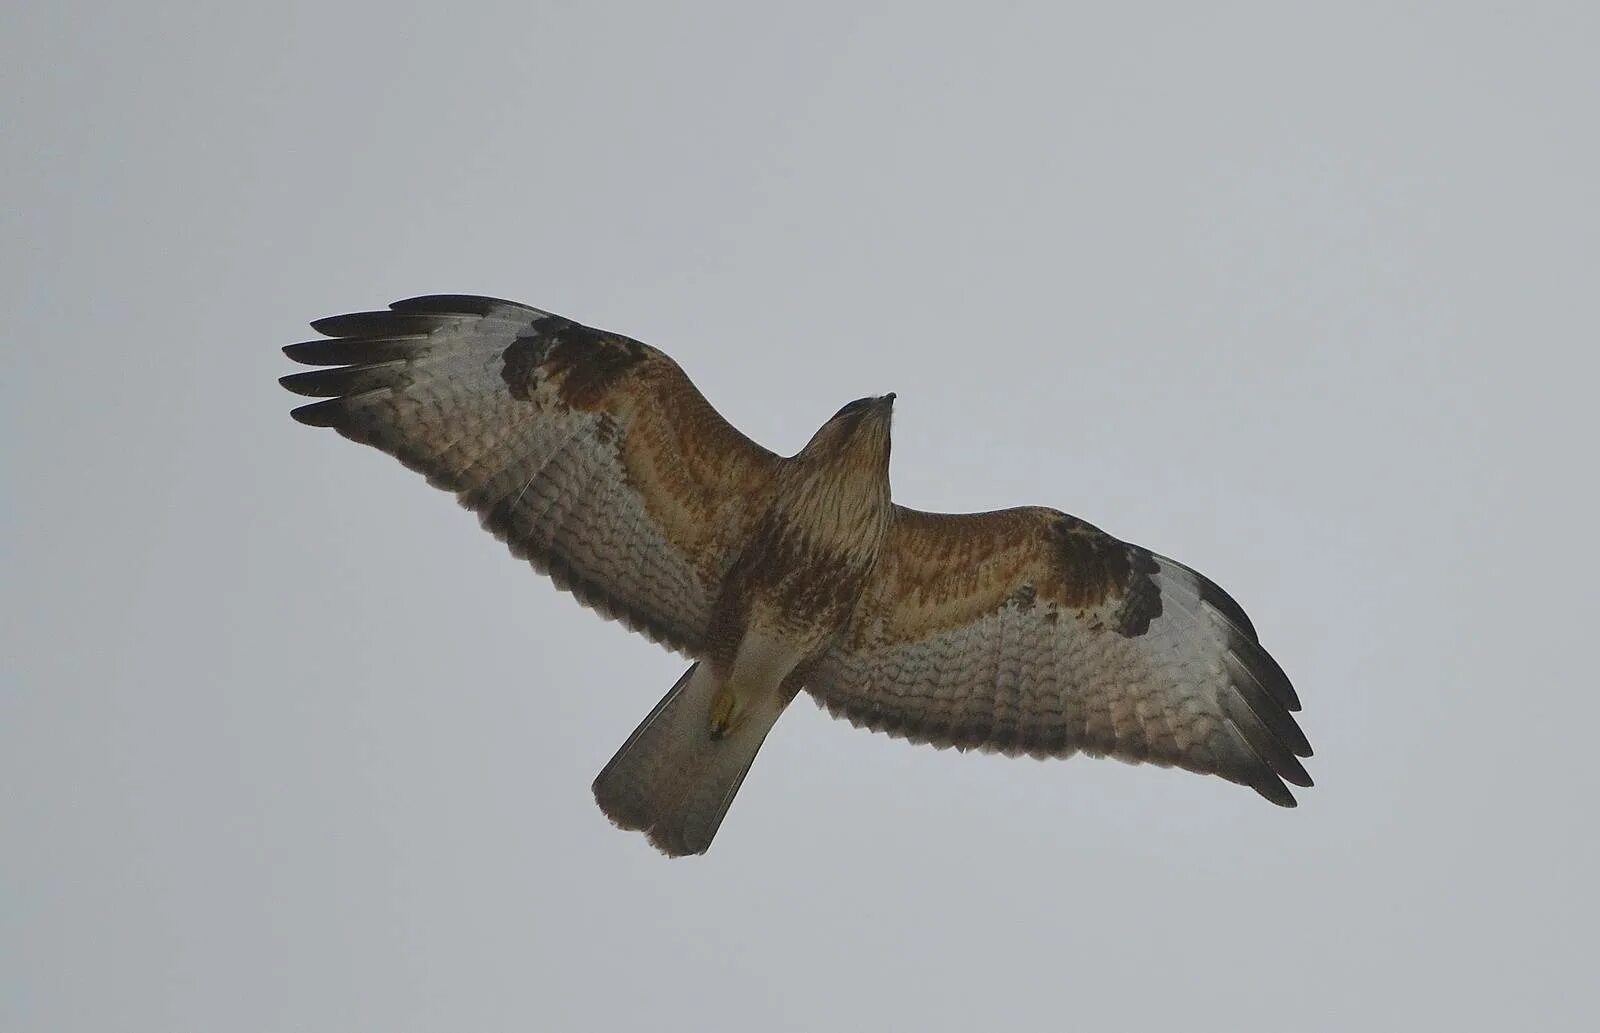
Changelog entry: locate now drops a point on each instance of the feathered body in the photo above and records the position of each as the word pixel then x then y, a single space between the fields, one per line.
pixel 594 457
pixel 785 599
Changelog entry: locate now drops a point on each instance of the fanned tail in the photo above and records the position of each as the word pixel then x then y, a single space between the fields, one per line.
pixel 672 780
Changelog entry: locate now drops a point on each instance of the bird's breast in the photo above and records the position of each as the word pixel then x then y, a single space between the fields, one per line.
pixel 801 574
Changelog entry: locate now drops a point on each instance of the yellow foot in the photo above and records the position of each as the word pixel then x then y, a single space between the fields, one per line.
pixel 725 712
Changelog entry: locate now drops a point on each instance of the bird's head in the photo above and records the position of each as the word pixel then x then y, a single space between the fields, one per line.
pixel 860 430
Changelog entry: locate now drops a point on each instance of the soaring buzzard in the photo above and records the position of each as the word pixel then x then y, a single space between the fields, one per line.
pixel 594 458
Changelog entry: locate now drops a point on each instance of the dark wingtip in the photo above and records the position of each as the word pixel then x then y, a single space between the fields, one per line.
pixel 319 414
pixel 385 323
pixel 325 351
pixel 341 325
pixel 1279 683
pixel 1276 792
pixel 1266 670
pixel 453 304
pixel 1297 775
pixel 312 384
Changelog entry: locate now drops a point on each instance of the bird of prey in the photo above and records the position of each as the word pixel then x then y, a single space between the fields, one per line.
pixel 594 458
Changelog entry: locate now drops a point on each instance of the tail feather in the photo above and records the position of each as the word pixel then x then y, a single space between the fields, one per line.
pixel 671 780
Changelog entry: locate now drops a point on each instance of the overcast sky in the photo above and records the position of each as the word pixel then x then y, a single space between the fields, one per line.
pixel 1305 298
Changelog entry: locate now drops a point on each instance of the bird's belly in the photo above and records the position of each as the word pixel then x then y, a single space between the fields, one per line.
pixel 794 587
pixel 764 660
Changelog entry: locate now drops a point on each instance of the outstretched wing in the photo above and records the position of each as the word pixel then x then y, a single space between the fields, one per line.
pixel 590 455
pixel 1030 631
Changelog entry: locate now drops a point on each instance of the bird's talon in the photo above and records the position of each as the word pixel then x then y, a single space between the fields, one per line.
pixel 723 707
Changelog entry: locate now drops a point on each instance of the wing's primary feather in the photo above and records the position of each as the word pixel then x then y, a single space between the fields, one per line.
pixel 589 454
pixel 1030 631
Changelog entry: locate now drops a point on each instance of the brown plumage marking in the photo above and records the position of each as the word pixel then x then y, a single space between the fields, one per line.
pixel 1097 568
pixel 585 362
pixel 700 479
pixel 796 578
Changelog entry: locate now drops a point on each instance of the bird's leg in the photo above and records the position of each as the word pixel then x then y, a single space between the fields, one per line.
pixel 726 710
pixel 751 680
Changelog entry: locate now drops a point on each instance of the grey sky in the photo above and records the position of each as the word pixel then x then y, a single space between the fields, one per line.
pixel 1304 298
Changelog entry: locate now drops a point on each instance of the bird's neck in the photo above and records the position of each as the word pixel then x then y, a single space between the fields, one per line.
pixel 838 503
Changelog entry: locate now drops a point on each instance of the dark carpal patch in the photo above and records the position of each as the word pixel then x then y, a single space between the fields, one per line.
pixel 1097 568
pixel 1141 603
pixel 588 361
pixel 520 362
